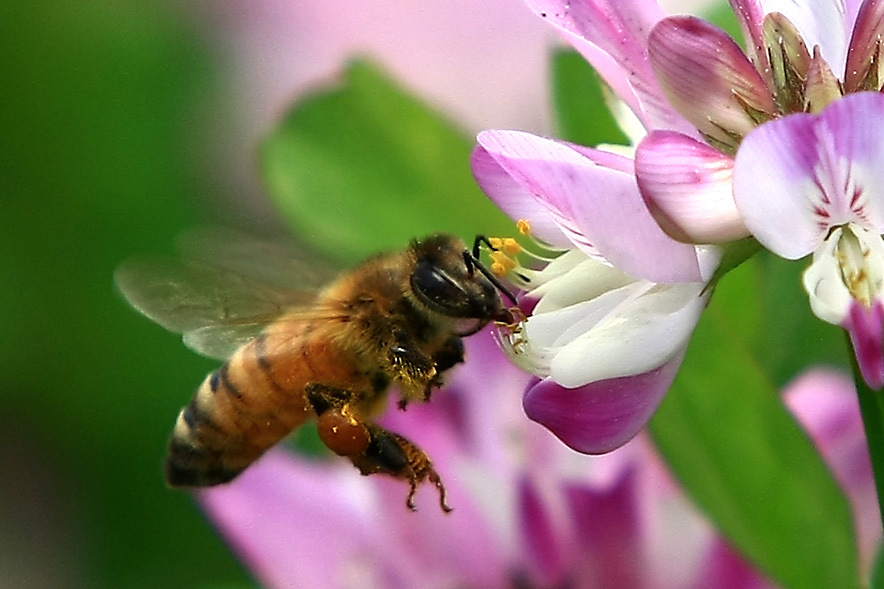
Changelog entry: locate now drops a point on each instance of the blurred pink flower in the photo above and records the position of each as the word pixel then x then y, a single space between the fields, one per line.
pixel 528 512
pixel 825 403
pixel 484 64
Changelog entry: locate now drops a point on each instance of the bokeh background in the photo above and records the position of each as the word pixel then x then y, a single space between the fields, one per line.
pixel 122 124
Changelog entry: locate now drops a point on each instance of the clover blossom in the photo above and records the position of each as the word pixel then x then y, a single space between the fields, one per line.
pixel 611 318
pixel 813 183
pixel 803 58
pixel 528 512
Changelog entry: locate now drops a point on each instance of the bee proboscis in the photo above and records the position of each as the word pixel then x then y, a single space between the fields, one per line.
pixel 295 354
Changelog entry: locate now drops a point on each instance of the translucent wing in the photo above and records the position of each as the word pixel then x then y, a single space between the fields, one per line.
pixel 220 303
pixel 280 263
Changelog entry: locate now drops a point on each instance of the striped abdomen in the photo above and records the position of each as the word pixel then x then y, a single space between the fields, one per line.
pixel 252 402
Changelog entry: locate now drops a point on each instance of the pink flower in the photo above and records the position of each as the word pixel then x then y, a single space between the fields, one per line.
pixel 814 183
pixel 611 317
pixel 802 56
pixel 527 511
pixel 801 183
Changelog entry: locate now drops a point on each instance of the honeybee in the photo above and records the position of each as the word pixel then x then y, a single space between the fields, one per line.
pixel 295 354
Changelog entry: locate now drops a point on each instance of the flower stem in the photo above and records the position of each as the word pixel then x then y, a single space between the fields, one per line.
pixel 871 405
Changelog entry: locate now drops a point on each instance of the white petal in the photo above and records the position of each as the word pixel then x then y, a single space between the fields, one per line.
pixel 641 334
pixel 829 297
pixel 585 281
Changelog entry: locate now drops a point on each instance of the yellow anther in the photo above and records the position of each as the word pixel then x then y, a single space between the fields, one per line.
pixel 524 226
pixel 510 246
pixel 501 263
pixel 495 242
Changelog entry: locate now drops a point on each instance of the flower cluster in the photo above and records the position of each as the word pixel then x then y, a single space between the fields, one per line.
pixel 728 146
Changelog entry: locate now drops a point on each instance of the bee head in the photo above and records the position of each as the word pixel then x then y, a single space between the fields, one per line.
pixel 446 280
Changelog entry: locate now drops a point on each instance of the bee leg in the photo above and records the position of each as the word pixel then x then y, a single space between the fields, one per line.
pixel 396 455
pixel 417 372
pixel 371 448
pixel 324 397
pixel 337 424
pixel 450 354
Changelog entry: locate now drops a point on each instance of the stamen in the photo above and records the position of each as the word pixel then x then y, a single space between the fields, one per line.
pixel 857 268
pixel 501 263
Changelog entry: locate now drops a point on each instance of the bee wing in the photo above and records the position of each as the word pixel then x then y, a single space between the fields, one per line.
pixel 283 263
pixel 224 290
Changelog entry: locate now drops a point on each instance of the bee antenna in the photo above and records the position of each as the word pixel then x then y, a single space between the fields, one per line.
pixel 480 239
pixel 473 263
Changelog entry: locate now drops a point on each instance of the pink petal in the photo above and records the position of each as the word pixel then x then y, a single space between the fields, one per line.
pixel 704 72
pixel 279 507
pixel 612 36
pixel 610 532
pixel 595 204
pixel 866 328
pixel 725 568
pixel 750 13
pixel 864 43
pixel 798 176
pixel 514 200
pixel 544 544
pixel 603 415
pixel 688 186
pixel 774 188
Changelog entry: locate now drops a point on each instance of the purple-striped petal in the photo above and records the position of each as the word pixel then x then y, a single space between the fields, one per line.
pixel 865 51
pixel 612 36
pixel 594 204
pixel 601 416
pixel 796 177
pixel 724 568
pixel 687 186
pixel 707 77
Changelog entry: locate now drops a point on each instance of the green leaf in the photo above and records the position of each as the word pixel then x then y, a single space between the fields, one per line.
pixel 877 581
pixel 794 337
pixel 744 459
pixel 363 166
pixel 582 116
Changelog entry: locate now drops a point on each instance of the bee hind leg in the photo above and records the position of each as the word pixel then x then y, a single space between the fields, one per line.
pixel 371 448
pixel 397 456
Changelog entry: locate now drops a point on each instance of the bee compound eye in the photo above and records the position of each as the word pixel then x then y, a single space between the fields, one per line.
pixel 343 434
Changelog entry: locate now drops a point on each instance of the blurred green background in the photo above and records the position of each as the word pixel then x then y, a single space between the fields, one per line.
pixel 103 106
